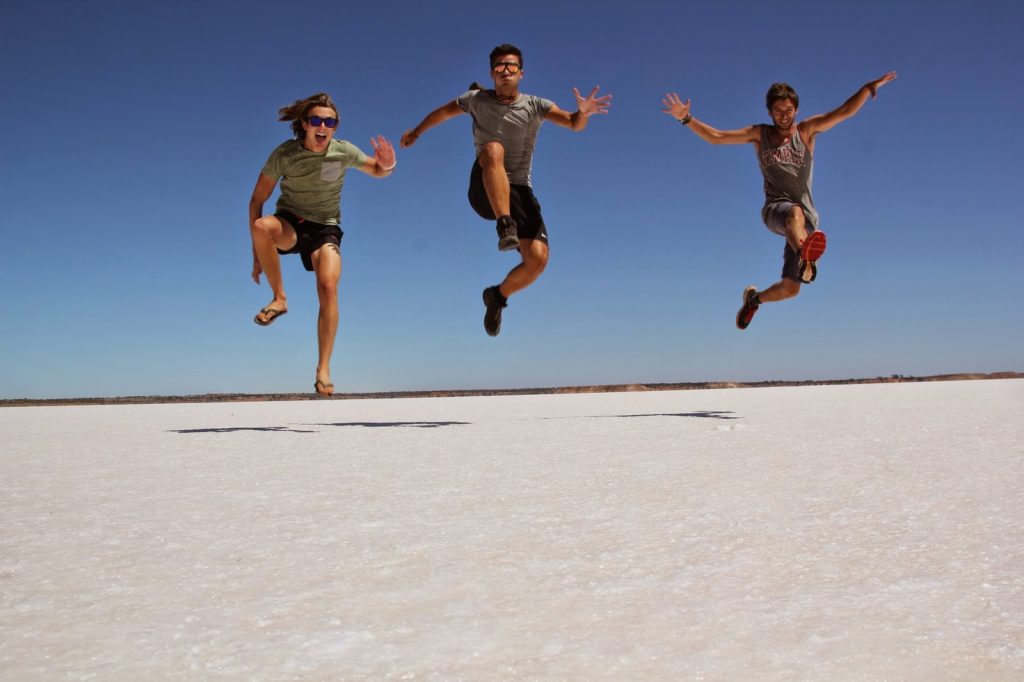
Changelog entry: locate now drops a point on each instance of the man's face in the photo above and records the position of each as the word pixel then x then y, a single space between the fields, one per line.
pixel 783 114
pixel 320 124
pixel 507 70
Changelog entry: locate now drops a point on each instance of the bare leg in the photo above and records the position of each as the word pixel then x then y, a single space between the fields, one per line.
pixel 492 161
pixel 327 266
pixel 535 259
pixel 780 291
pixel 796 234
pixel 270 233
pixel 796 228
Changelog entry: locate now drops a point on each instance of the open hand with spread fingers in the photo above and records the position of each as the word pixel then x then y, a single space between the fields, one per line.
pixel 383 152
pixel 675 107
pixel 592 104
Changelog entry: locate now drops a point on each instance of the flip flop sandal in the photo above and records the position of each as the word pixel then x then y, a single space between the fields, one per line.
pixel 273 313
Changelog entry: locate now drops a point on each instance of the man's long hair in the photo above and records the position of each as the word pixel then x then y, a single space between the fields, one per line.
pixel 297 111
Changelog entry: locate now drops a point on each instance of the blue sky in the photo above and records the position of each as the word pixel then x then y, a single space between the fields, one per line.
pixel 133 134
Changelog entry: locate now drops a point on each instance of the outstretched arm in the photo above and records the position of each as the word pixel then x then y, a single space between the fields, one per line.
pixel 435 117
pixel 680 110
pixel 383 160
pixel 822 122
pixel 585 108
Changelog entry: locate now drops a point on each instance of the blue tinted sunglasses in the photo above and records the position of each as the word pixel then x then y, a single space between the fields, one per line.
pixel 315 121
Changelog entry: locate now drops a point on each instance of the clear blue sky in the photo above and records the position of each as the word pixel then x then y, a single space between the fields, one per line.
pixel 133 132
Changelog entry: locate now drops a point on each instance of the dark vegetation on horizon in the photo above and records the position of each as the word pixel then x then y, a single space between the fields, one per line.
pixel 607 388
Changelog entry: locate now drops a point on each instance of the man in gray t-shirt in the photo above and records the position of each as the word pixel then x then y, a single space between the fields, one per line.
pixel 785 151
pixel 505 127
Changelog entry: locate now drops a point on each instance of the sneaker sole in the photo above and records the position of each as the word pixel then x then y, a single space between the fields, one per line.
pixel 509 244
pixel 814 246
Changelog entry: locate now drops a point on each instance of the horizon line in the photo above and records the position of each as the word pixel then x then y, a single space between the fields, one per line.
pixel 486 392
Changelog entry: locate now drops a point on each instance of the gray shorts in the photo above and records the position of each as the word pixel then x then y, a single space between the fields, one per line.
pixel 774 216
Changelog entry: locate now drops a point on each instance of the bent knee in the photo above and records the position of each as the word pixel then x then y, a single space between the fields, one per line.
pixel 790 288
pixel 268 224
pixel 535 256
pixel 493 152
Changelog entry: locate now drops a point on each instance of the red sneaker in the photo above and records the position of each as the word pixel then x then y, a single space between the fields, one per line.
pixel 750 306
pixel 813 247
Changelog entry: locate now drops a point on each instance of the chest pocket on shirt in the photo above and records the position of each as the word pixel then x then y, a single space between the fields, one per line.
pixel 330 171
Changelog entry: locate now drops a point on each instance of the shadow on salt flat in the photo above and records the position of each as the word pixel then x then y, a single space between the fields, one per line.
pixel 704 414
pixel 417 425
pixel 232 429
pixel 279 429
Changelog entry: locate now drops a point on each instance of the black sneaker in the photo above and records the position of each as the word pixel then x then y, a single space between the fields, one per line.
pixel 750 306
pixel 508 234
pixel 492 316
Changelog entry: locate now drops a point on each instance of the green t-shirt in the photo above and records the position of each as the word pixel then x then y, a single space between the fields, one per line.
pixel 310 182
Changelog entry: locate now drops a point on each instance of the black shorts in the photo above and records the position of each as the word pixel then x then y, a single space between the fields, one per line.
pixel 309 237
pixel 790 263
pixel 523 206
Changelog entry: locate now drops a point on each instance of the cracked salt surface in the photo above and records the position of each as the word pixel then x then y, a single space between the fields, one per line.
pixel 829 532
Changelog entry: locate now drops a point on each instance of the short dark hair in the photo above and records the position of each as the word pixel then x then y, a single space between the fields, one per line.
pixel 780 91
pixel 505 48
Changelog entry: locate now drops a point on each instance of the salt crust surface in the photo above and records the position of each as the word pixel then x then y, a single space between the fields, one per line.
pixel 831 532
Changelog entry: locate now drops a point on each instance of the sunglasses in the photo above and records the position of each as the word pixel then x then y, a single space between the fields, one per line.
pixel 511 67
pixel 315 121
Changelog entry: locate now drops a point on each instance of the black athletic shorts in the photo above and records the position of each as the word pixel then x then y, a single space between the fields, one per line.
pixel 523 206
pixel 310 236
pixel 790 263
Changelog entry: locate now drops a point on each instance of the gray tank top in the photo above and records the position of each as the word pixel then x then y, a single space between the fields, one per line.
pixel 787 171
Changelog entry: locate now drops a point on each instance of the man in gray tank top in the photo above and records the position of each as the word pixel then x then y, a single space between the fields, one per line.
pixel 785 152
pixel 505 127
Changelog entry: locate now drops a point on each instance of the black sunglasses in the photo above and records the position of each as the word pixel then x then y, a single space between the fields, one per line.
pixel 315 121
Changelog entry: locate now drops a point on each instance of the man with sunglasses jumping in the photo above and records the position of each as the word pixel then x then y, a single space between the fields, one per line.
pixel 785 151
pixel 306 221
pixel 505 127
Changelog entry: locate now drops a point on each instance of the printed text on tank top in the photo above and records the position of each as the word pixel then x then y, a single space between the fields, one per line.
pixel 785 152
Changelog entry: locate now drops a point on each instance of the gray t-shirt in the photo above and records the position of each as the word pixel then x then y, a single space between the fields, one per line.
pixel 311 183
pixel 788 170
pixel 515 125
